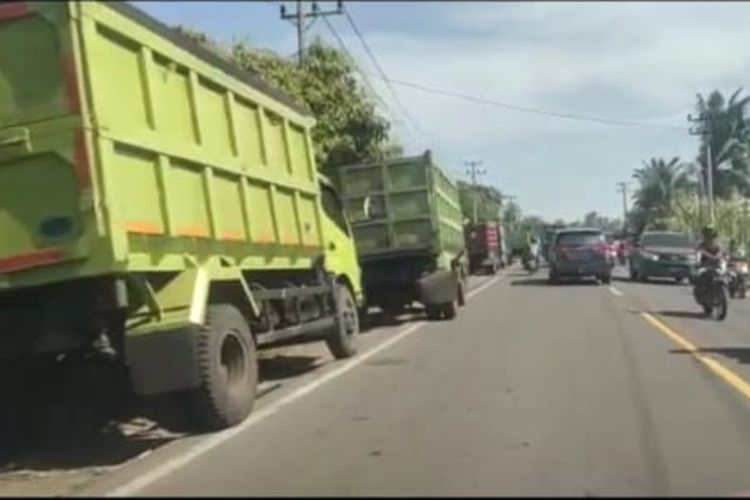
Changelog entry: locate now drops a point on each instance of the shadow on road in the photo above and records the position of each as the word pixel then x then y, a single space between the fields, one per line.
pixel 739 354
pixel 84 415
pixel 282 367
pixel 376 319
pixel 654 281
pixel 70 416
pixel 546 283
pixel 681 314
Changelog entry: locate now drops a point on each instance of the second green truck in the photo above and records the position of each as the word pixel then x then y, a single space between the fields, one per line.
pixel 407 226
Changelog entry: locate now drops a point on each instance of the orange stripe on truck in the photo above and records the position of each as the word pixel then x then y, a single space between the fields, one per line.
pixel 193 232
pixel 233 236
pixel 30 260
pixel 143 228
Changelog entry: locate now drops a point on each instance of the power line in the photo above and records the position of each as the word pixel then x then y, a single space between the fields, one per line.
pixel 356 66
pixel 527 109
pixel 380 70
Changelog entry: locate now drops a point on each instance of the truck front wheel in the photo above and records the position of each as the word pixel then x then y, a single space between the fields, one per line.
pixel 227 368
pixel 342 342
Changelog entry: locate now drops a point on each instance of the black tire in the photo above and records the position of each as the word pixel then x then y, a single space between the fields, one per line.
pixel 434 312
pixel 553 279
pixel 742 291
pixel 342 342
pixel 449 310
pixel 227 367
pixel 606 279
pixel 722 307
pixel 642 278
pixel 633 274
pixel 680 280
pixel 708 310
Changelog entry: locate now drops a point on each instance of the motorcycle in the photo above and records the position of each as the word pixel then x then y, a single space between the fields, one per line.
pixel 737 274
pixel 531 264
pixel 711 290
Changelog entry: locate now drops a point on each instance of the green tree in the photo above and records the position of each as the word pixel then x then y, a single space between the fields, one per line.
pixel 658 182
pixel 726 129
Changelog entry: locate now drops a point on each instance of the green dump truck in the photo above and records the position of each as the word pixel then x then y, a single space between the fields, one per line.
pixel 407 225
pixel 160 206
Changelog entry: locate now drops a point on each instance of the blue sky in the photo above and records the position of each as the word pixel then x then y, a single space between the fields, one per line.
pixel 630 61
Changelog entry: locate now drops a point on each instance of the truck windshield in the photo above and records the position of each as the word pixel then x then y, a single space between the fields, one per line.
pixel 667 240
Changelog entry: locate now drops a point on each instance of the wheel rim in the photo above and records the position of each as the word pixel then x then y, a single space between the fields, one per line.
pixel 233 359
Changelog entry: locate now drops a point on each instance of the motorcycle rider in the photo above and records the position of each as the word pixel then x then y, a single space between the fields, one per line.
pixel 710 253
pixel 532 248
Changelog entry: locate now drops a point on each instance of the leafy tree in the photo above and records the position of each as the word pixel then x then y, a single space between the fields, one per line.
pixel 658 182
pixel 726 129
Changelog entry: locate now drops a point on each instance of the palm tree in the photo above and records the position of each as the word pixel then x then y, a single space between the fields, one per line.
pixel 659 181
pixel 727 130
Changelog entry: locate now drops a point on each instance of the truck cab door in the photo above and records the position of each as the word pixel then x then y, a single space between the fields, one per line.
pixel 340 249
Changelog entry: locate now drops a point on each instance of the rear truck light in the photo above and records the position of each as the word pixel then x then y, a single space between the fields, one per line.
pixel 13 10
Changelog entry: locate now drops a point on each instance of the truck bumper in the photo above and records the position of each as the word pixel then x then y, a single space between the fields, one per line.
pixel 438 287
pixel 667 269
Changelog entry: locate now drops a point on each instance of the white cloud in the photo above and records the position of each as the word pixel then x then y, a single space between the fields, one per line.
pixel 633 61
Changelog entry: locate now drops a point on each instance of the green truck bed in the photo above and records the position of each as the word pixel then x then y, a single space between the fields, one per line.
pixel 407 226
pixel 160 208
pixel 125 147
pixel 413 208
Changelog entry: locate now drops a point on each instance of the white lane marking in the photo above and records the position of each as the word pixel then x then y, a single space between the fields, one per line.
pixel 483 286
pixel 615 291
pixel 132 487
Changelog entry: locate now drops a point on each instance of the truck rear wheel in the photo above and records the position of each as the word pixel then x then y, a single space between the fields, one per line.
pixel 449 310
pixel 342 342
pixel 227 367
pixel 433 311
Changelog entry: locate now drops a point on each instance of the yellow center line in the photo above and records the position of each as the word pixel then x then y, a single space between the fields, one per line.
pixel 723 372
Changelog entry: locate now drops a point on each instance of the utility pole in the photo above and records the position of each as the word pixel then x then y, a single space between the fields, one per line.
pixel 704 130
pixel 473 171
pixel 623 188
pixel 298 19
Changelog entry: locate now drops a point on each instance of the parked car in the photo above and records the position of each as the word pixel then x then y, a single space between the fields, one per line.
pixel 578 253
pixel 663 254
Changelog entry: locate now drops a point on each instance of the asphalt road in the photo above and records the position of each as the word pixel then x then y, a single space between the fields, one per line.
pixel 532 390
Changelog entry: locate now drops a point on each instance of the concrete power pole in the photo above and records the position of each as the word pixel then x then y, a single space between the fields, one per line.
pixel 473 171
pixel 704 130
pixel 298 19
pixel 623 188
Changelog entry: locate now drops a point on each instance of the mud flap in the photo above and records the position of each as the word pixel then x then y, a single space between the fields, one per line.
pixel 160 334
pixel 162 362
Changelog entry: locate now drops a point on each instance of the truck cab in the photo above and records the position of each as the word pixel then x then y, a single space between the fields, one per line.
pixel 340 249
